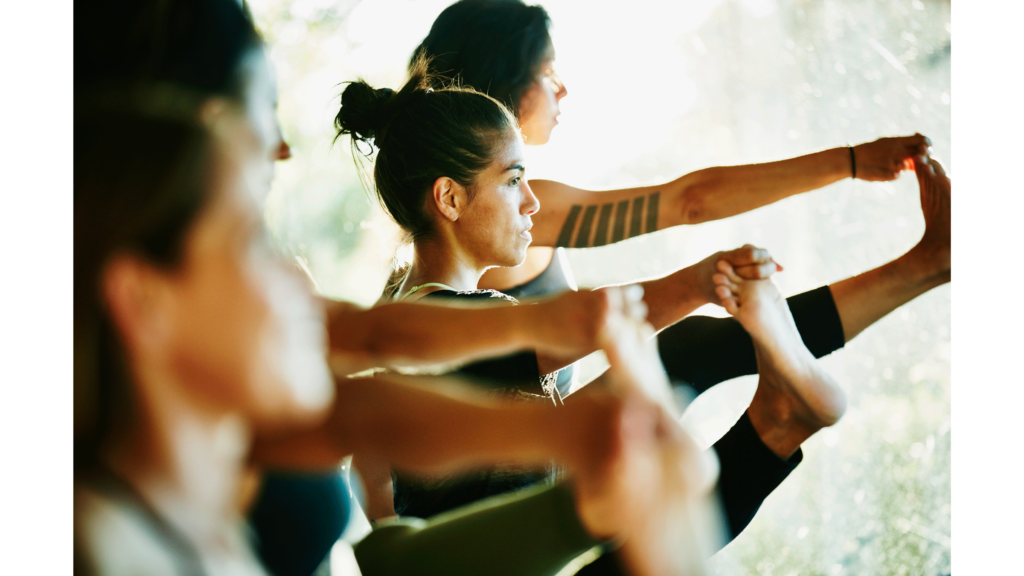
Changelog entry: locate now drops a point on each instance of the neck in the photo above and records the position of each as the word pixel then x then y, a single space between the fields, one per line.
pixel 184 457
pixel 438 261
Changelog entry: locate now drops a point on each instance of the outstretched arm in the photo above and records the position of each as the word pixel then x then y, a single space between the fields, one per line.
pixel 576 218
pixel 425 334
pixel 433 425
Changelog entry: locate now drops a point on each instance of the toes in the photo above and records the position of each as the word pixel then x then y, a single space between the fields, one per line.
pixel 723 292
pixel 756 271
pixel 730 305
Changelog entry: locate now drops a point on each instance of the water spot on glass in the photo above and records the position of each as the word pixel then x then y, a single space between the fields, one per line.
pixel 914 91
pixel 792 134
pixel 802 532
pixel 877 99
pixel 887 373
pixel 840 68
pixel 843 103
pixel 917 4
pixel 915 109
pixel 873 382
pixel 858 496
pixel 908 36
pixel 916 450
pixel 945 98
pixel 837 568
pixel 806 88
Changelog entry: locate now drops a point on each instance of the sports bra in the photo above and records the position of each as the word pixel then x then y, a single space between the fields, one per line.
pixel 416 289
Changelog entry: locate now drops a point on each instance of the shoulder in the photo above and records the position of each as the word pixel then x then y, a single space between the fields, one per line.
pixel 113 537
pixel 491 296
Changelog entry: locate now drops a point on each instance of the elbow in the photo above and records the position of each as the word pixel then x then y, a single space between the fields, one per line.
pixel 697 200
pixel 692 207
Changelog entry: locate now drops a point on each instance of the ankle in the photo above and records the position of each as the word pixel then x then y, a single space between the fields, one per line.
pixel 930 261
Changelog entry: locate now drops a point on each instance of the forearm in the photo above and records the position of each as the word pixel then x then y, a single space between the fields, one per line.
pixel 420 429
pixel 670 298
pixel 407 334
pixel 724 191
pixel 576 218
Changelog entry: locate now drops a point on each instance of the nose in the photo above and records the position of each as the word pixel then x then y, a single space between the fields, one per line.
pixel 562 92
pixel 530 204
pixel 284 151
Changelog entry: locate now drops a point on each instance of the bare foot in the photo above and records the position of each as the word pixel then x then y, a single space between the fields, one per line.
pixel 795 398
pixel 935 204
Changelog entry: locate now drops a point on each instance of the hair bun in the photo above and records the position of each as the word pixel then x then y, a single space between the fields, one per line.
pixel 362 111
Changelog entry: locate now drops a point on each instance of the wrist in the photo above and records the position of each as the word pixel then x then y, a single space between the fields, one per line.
pixel 694 286
pixel 838 162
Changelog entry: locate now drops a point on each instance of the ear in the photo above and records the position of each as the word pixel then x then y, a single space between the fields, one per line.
pixel 137 297
pixel 449 197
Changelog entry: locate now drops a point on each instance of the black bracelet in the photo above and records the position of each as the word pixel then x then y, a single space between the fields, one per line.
pixel 853 163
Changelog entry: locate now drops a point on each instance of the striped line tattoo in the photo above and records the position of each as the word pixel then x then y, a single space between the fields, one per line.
pixel 607 229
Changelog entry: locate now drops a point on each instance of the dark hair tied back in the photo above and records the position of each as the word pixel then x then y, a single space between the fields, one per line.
pixel 422 132
pixel 363 112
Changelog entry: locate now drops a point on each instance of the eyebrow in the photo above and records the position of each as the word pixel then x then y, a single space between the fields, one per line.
pixel 516 167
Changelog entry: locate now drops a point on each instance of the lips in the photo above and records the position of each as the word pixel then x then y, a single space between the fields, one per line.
pixel 526 234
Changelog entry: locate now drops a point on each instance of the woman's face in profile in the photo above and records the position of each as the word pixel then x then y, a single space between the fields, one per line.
pixel 247 331
pixel 538 109
pixel 495 225
pixel 261 108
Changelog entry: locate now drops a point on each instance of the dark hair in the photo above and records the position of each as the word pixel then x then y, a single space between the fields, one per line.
pixel 142 200
pixel 495 46
pixel 197 45
pixel 421 134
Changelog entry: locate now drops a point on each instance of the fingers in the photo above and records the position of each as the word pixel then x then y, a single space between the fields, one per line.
pixel 918 140
pixel 727 269
pixel 746 255
pixel 758 271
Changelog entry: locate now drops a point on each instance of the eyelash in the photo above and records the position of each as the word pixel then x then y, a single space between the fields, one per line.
pixel 515 181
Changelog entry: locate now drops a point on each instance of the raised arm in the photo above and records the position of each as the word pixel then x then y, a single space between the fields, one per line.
pixel 576 218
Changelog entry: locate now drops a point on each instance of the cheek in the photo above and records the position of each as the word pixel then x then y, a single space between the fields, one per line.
pixel 294 346
pixel 217 335
pixel 255 342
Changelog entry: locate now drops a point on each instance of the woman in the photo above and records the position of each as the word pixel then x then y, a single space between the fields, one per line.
pixel 503 47
pixel 198 350
pixel 449 169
